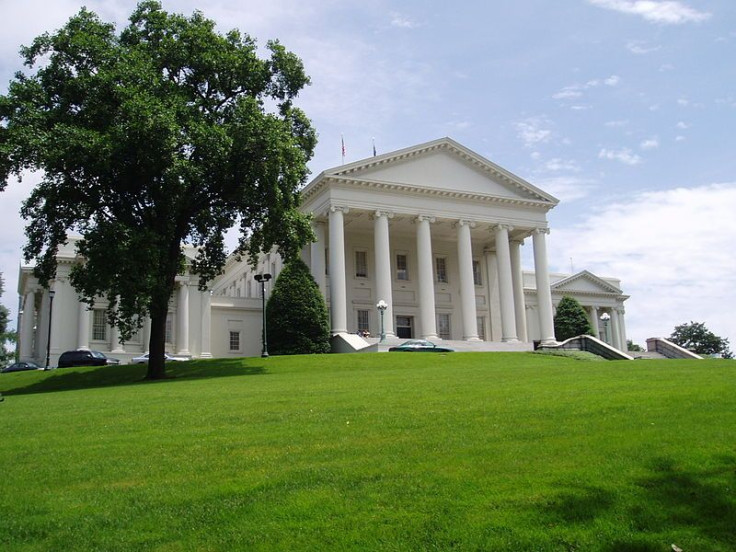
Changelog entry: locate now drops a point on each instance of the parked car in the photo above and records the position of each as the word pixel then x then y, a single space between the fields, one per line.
pixel 143 359
pixel 85 357
pixel 420 346
pixel 21 367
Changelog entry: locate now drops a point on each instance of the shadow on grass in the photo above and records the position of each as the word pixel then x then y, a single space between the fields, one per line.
pixel 71 379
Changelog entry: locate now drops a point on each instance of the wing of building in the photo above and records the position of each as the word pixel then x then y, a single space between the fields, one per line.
pixel 435 231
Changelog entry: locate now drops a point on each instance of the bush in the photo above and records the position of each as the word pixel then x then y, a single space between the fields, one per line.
pixel 571 320
pixel 297 321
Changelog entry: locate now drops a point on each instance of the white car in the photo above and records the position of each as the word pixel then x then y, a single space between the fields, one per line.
pixel 143 359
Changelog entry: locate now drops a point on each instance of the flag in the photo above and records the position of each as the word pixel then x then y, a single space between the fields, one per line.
pixel 374 147
pixel 342 141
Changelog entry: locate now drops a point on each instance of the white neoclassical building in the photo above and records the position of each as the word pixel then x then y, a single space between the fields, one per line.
pixel 435 231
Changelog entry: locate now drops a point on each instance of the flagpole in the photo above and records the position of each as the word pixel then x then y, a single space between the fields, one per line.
pixel 342 144
pixel 374 146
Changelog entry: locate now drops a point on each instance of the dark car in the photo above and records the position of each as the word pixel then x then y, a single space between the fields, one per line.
pixel 22 367
pixel 420 346
pixel 85 357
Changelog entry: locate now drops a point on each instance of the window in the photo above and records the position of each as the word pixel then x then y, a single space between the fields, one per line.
pixel 363 322
pixel 402 270
pixel 99 325
pixel 440 267
pixel 361 264
pixel 404 327
pixel 169 335
pixel 477 280
pixel 481 321
pixel 234 341
pixel 443 325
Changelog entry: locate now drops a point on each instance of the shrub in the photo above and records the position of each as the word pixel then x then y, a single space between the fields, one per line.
pixel 571 320
pixel 297 321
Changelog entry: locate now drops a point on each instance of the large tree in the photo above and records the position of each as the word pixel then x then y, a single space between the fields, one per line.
pixel 5 333
pixel 699 339
pixel 168 133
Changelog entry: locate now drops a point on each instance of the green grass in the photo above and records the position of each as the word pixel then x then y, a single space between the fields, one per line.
pixel 467 451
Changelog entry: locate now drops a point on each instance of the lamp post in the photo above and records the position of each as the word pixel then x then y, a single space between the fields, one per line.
pixel 48 342
pixel 605 317
pixel 382 306
pixel 262 279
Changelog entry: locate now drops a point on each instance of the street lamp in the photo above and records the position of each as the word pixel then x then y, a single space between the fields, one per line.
pixel 382 306
pixel 262 279
pixel 48 343
pixel 605 317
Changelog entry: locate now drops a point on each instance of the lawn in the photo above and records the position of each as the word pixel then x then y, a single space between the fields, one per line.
pixel 466 451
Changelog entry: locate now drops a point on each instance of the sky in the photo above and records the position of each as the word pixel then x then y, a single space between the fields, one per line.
pixel 625 110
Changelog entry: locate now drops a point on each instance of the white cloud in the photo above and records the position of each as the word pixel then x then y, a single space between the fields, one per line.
pixel 665 12
pixel 682 125
pixel 624 155
pixel 649 143
pixel 533 131
pixel 613 80
pixel 557 164
pixel 666 67
pixel 575 91
pixel 566 188
pixel 679 138
pixel 568 93
pixel 617 124
pixel 674 271
pixel 640 48
pixel 403 22
pixel 684 102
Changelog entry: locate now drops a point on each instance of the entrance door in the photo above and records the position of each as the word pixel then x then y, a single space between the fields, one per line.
pixel 404 327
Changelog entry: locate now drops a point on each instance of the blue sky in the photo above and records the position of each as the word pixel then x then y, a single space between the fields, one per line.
pixel 623 109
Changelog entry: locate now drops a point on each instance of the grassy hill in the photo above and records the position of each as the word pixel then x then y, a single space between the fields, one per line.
pixel 467 451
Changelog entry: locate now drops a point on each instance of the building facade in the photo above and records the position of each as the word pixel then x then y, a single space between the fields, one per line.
pixel 435 231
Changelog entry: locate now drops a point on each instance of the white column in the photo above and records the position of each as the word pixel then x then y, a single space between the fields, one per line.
pixel 616 330
pixel 146 333
pixel 505 284
pixel 467 285
pixel 425 277
pixel 317 255
pixel 517 281
pixel 338 292
pixel 494 332
pixel 117 345
pixel 594 321
pixel 383 268
pixel 544 293
pixel 182 320
pixel 83 326
pixel 622 328
pixel 29 318
pixel 206 324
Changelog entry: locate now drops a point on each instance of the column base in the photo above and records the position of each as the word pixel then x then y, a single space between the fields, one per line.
pixel 431 338
pixel 472 338
pixel 116 351
pixel 510 340
pixel 184 352
pixel 205 355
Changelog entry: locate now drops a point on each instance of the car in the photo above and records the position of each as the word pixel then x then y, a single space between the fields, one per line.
pixel 143 359
pixel 85 357
pixel 420 346
pixel 22 367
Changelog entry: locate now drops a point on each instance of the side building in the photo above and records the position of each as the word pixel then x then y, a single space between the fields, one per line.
pixel 435 231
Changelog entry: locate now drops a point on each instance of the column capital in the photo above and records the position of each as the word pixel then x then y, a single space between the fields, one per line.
pixel 465 222
pixel 334 208
pixel 497 227
pixel 378 214
pixel 517 241
pixel 540 231
pixel 422 218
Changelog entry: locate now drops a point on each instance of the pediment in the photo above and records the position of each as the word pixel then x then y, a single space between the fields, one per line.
pixel 584 282
pixel 439 166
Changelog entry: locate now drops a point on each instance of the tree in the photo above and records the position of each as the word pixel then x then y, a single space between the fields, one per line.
pixel 631 346
pixel 163 135
pixel 699 339
pixel 5 334
pixel 571 320
pixel 297 321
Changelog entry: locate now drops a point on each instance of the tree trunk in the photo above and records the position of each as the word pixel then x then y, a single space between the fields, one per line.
pixel 157 344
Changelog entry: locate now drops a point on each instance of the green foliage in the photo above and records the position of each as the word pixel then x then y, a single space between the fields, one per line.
pixel 571 319
pixel 699 339
pixel 5 333
pixel 469 451
pixel 631 346
pixel 165 134
pixel 296 314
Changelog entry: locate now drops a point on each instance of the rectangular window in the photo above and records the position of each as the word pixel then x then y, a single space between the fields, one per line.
pixel 402 270
pixel 477 280
pixel 482 327
pixel 99 325
pixel 361 264
pixel 404 327
pixel 234 341
pixel 169 328
pixel 443 325
pixel 440 266
pixel 363 322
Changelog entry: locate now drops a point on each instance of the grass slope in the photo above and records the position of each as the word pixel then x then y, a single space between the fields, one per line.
pixel 469 451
